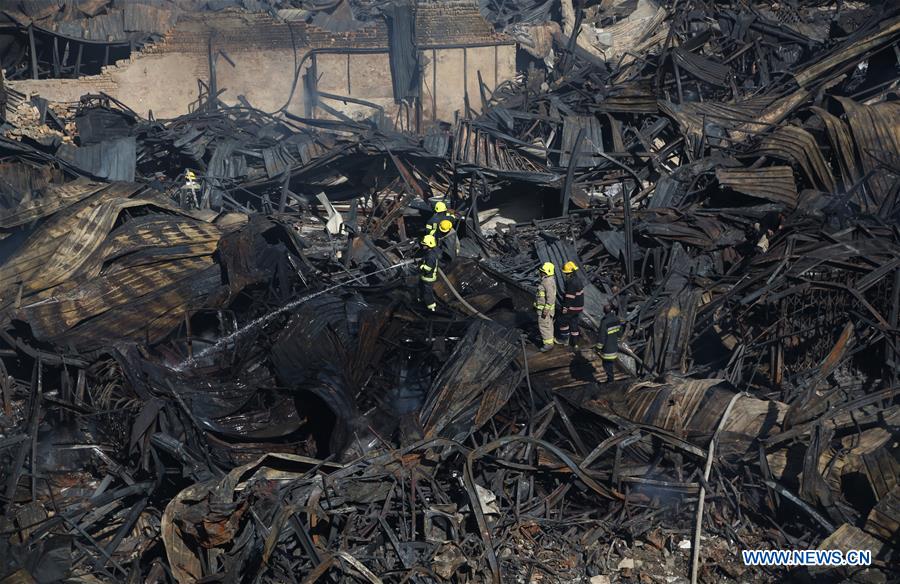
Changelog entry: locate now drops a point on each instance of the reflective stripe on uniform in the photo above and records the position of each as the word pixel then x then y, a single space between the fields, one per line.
pixel 613 330
pixel 609 356
pixel 548 341
pixel 429 274
pixel 541 295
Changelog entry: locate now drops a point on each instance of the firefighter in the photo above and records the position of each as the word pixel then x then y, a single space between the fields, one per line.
pixel 189 199
pixel 608 347
pixel 441 213
pixel 545 303
pixel 428 272
pixel 573 305
pixel 447 239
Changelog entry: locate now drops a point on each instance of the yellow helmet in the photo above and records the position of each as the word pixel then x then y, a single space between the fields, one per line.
pixel 190 175
pixel 446 225
pixel 440 207
pixel 429 241
pixel 547 269
pixel 569 267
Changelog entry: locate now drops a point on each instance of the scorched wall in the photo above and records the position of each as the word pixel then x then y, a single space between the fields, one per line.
pixel 456 44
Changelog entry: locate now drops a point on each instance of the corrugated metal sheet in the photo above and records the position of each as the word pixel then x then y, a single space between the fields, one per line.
pixel 116 305
pixel 793 144
pixel 437 141
pixel 105 27
pixel 36 9
pixel 224 164
pixel 629 98
pixel 404 56
pixel 839 136
pixel 613 241
pixel 114 160
pixel 667 349
pixel 694 407
pixel 728 114
pixel 277 160
pixel 843 54
pixel 148 19
pixel 67 240
pixel 338 19
pixel 775 183
pixel 99 124
pixel 592 142
pixel 876 130
pixel 694 117
pixel 701 67
pixel 55 198
pixel 317 330
pixel 695 230
pixel 135 21
pixel 475 382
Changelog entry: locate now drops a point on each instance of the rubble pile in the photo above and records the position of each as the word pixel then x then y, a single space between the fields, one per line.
pixel 233 379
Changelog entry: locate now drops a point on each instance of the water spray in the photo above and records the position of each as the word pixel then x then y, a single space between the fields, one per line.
pixel 266 318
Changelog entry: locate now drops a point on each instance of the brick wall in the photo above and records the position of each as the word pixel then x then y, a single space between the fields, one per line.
pixel 438 22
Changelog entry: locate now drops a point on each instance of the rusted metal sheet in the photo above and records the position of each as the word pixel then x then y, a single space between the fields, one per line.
pixel 796 145
pixel 773 183
pixel 876 132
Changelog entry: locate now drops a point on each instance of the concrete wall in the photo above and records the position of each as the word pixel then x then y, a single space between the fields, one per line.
pixel 263 77
pixel 165 82
pixel 450 73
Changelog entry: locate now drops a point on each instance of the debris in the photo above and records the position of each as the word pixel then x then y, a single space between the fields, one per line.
pixel 218 361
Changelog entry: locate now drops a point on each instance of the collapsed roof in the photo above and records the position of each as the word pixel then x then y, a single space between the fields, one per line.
pixel 239 382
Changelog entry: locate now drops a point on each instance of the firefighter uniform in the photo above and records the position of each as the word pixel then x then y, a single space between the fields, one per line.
pixel 428 272
pixel 545 304
pixel 608 347
pixel 448 243
pixel 190 190
pixel 573 305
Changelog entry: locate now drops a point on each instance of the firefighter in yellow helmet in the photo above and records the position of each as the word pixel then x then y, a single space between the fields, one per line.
pixel 441 213
pixel 545 304
pixel 428 268
pixel 572 305
pixel 447 239
pixel 189 199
